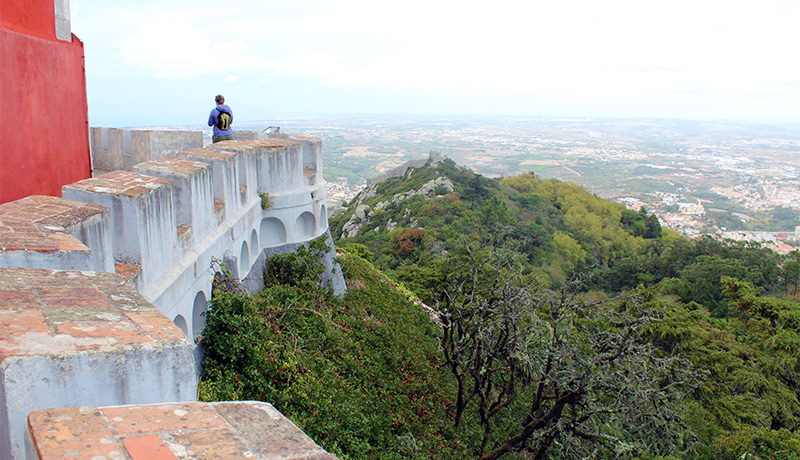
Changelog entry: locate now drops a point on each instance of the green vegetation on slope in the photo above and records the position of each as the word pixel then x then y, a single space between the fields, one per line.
pixel 562 227
pixel 368 375
pixel 360 374
pixel 743 407
pixel 568 327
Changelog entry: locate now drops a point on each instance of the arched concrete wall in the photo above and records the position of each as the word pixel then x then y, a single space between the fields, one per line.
pixel 226 219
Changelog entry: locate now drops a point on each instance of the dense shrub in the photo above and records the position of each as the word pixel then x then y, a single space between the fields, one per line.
pixel 360 374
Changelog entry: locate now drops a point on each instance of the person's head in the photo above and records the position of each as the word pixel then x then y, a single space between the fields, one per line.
pixel 220 100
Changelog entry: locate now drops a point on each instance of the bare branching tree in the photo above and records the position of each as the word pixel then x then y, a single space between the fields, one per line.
pixel 577 369
pixel 483 306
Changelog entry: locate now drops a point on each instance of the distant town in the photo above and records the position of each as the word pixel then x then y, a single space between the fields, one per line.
pixel 732 181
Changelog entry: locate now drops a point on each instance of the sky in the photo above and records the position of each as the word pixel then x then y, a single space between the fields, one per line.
pixel 151 63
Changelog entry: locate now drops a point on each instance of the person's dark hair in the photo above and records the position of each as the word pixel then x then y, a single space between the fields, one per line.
pixel 219 99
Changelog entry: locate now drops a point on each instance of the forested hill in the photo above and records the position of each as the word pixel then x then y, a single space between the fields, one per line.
pixel 556 325
pixel 726 310
pixel 560 228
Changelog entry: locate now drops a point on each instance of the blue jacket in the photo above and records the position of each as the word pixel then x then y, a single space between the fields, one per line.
pixel 212 119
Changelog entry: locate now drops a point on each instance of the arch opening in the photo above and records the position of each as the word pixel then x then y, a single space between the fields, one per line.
pixel 305 224
pixel 323 217
pixel 273 232
pixel 244 260
pixel 199 310
pixel 254 244
pixel 180 321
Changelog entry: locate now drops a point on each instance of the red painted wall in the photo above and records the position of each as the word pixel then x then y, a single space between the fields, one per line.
pixel 31 17
pixel 44 125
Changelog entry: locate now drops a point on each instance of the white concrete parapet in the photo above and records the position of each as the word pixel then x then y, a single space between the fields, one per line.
pixel 162 224
pixel 75 338
pixel 173 216
pixel 122 149
pixel 192 195
pixel 142 216
pixel 95 341
pixel 51 232
pixel 224 176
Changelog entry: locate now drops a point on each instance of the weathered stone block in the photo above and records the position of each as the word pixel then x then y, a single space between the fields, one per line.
pixel 246 153
pixel 70 338
pixel 193 199
pixel 122 149
pixel 50 232
pixel 224 175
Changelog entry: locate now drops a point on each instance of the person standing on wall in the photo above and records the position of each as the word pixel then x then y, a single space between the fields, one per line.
pixel 221 118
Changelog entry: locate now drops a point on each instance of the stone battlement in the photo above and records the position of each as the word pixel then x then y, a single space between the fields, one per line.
pixel 116 149
pixel 80 274
pixel 162 223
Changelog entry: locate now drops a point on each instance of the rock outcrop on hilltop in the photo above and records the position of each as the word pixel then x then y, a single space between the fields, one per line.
pixel 364 213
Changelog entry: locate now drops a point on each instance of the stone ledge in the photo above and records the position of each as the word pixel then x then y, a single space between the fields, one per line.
pixel 171 166
pixel 245 146
pixel 197 430
pixel 120 183
pixel 207 153
pixel 40 223
pixel 54 313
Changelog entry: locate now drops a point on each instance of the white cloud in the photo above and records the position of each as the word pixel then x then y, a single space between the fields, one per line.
pixel 173 48
pixel 231 79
